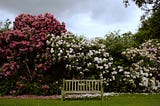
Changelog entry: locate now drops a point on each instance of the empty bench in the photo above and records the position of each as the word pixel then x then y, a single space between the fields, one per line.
pixel 82 87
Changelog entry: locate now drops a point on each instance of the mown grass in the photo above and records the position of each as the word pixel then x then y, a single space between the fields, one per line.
pixel 134 100
pixel 118 100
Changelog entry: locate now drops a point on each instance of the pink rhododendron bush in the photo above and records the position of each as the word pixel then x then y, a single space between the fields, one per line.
pixel 25 58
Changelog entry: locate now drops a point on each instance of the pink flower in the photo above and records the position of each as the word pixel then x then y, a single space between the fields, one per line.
pixel 40 44
pixel 40 65
pixel 12 67
pixel 8 51
pixel 5 65
pixel 17 66
pixel 45 68
pixel 25 43
pixel 12 92
pixel 7 73
pixel 14 63
pixel 23 78
pixel 12 45
pixel 45 87
pixel 31 49
pixel 23 50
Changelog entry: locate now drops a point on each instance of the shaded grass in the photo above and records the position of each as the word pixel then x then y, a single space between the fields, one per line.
pixel 117 100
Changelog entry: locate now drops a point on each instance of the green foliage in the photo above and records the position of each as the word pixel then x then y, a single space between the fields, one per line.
pixel 5 26
pixel 150 28
pixel 116 43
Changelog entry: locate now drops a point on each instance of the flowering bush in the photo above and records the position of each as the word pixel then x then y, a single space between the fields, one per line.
pixel 144 72
pixel 41 24
pixel 24 52
pixel 81 58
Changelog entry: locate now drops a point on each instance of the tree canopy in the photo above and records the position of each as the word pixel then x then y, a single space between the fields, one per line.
pixel 148 6
pixel 145 4
pixel 149 29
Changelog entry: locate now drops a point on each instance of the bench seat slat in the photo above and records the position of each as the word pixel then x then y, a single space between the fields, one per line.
pixel 81 92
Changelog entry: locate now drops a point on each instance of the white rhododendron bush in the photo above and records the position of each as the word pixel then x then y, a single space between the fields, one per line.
pixel 88 59
pixel 83 59
pixel 143 71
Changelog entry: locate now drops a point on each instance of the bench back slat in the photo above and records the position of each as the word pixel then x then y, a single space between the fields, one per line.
pixel 82 85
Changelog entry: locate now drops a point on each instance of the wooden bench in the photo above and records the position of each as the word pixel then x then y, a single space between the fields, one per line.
pixel 82 87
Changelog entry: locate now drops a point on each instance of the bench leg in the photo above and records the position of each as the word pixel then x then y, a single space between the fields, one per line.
pixel 102 97
pixel 63 96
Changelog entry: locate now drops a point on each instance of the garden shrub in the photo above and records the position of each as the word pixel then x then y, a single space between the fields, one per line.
pixel 24 53
pixel 82 59
pixel 143 72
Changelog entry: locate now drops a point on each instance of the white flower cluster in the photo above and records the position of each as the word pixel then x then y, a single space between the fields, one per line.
pixel 148 49
pixel 84 56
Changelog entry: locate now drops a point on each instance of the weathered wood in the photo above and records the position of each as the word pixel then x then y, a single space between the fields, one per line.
pixel 82 87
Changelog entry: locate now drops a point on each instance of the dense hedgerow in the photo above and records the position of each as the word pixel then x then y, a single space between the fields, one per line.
pixel 38 53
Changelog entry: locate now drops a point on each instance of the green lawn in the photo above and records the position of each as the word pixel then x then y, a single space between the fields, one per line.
pixel 121 100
